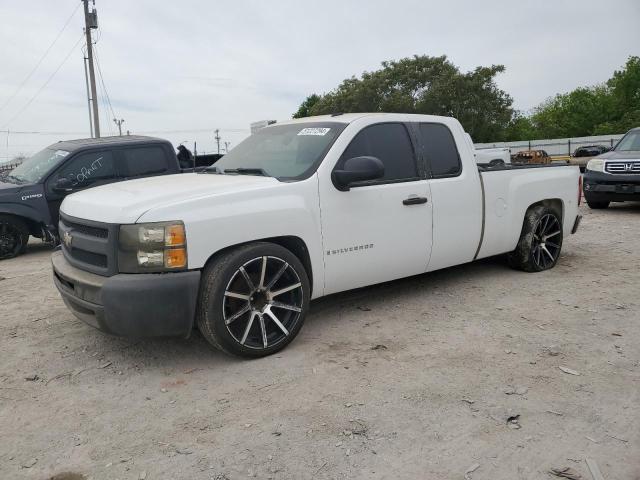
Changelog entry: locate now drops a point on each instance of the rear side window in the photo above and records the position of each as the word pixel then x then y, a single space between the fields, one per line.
pixel 144 161
pixel 390 143
pixel 440 150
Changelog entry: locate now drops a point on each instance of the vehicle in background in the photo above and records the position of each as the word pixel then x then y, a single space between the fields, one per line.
pixel 581 155
pixel 493 155
pixel 614 176
pixel 255 126
pixel 31 193
pixel 532 157
pixel 300 210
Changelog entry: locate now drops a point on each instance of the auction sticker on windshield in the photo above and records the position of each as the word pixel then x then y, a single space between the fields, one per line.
pixel 314 131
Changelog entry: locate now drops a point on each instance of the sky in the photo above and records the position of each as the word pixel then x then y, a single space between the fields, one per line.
pixel 180 70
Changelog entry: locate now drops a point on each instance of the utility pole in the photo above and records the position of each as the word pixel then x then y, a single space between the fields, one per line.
pixel 86 81
pixel 226 147
pixel 91 21
pixel 119 123
pixel 217 137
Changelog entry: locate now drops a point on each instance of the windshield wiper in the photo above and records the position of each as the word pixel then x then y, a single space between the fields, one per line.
pixel 247 171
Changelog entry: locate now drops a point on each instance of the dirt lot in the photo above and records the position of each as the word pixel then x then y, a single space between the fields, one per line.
pixel 411 379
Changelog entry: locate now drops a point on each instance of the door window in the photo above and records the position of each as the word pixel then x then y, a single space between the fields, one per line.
pixel 144 161
pixel 440 150
pixel 87 169
pixel 389 142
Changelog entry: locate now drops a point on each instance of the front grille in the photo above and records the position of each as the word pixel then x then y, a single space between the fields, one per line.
pixel 623 167
pixel 89 245
pixel 91 258
pixel 87 230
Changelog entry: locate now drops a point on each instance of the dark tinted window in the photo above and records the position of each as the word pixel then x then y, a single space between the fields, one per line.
pixel 440 150
pixel 87 168
pixel 390 143
pixel 144 161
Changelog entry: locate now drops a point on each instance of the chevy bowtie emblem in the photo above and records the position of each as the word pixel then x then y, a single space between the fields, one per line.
pixel 67 239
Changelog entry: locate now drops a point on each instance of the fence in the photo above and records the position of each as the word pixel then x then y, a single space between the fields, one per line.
pixel 5 167
pixel 555 147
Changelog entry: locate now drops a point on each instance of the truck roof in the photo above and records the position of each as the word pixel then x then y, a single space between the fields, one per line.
pixel 73 145
pixel 351 117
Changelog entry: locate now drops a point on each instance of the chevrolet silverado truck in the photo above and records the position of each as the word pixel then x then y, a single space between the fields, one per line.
pixel 297 211
pixel 31 193
pixel 614 176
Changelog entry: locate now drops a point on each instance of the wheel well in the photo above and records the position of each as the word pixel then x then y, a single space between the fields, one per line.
pixel 294 244
pixel 552 203
pixel 35 228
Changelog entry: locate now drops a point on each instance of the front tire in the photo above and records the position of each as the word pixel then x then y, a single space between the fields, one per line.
pixel 14 235
pixel 253 300
pixel 540 241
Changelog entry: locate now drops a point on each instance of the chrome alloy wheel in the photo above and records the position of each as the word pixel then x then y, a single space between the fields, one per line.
pixel 262 302
pixel 545 247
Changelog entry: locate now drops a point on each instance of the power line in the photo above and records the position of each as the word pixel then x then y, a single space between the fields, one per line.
pixel 104 87
pixel 22 84
pixel 45 83
pixel 195 130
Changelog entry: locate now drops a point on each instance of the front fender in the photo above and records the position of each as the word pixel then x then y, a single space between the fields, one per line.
pixel 29 212
pixel 26 201
pixel 285 209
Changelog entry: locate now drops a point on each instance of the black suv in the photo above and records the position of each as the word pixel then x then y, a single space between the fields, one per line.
pixel 31 193
pixel 614 176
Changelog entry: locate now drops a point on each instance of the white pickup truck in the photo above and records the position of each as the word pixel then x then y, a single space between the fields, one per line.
pixel 297 211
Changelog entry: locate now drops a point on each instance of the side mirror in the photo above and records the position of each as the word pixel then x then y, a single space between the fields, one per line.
pixel 357 169
pixel 63 185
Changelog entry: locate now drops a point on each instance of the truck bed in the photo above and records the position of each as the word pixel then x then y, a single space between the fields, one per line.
pixel 508 191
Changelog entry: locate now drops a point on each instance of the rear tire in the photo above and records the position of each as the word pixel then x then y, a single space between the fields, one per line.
pixel 540 241
pixel 253 300
pixel 598 205
pixel 14 236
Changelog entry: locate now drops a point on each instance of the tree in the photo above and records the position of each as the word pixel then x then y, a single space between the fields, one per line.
pixel 613 107
pixel 520 127
pixel 625 93
pixel 574 114
pixel 306 106
pixel 423 84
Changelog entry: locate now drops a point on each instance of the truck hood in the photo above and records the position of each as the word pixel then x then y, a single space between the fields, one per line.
pixel 126 202
pixel 7 188
pixel 10 190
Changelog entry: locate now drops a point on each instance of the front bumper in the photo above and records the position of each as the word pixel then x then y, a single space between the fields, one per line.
pixel 129 305
pixel 611 187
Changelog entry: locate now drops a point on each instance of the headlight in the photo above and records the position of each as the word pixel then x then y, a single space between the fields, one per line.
pixel 152 247
pixel 595 165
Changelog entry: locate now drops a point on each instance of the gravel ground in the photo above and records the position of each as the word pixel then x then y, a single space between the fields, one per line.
pixel 427 377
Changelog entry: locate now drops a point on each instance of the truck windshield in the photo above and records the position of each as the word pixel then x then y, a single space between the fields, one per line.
pixel 35 168
pixel 282 151
pixel 629 143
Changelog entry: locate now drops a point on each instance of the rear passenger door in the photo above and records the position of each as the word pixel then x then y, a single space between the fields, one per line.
pixel 378 230
pixel 457 197
pixel 144 161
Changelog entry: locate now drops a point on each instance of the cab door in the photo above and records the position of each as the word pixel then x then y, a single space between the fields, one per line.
pixel 378 230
